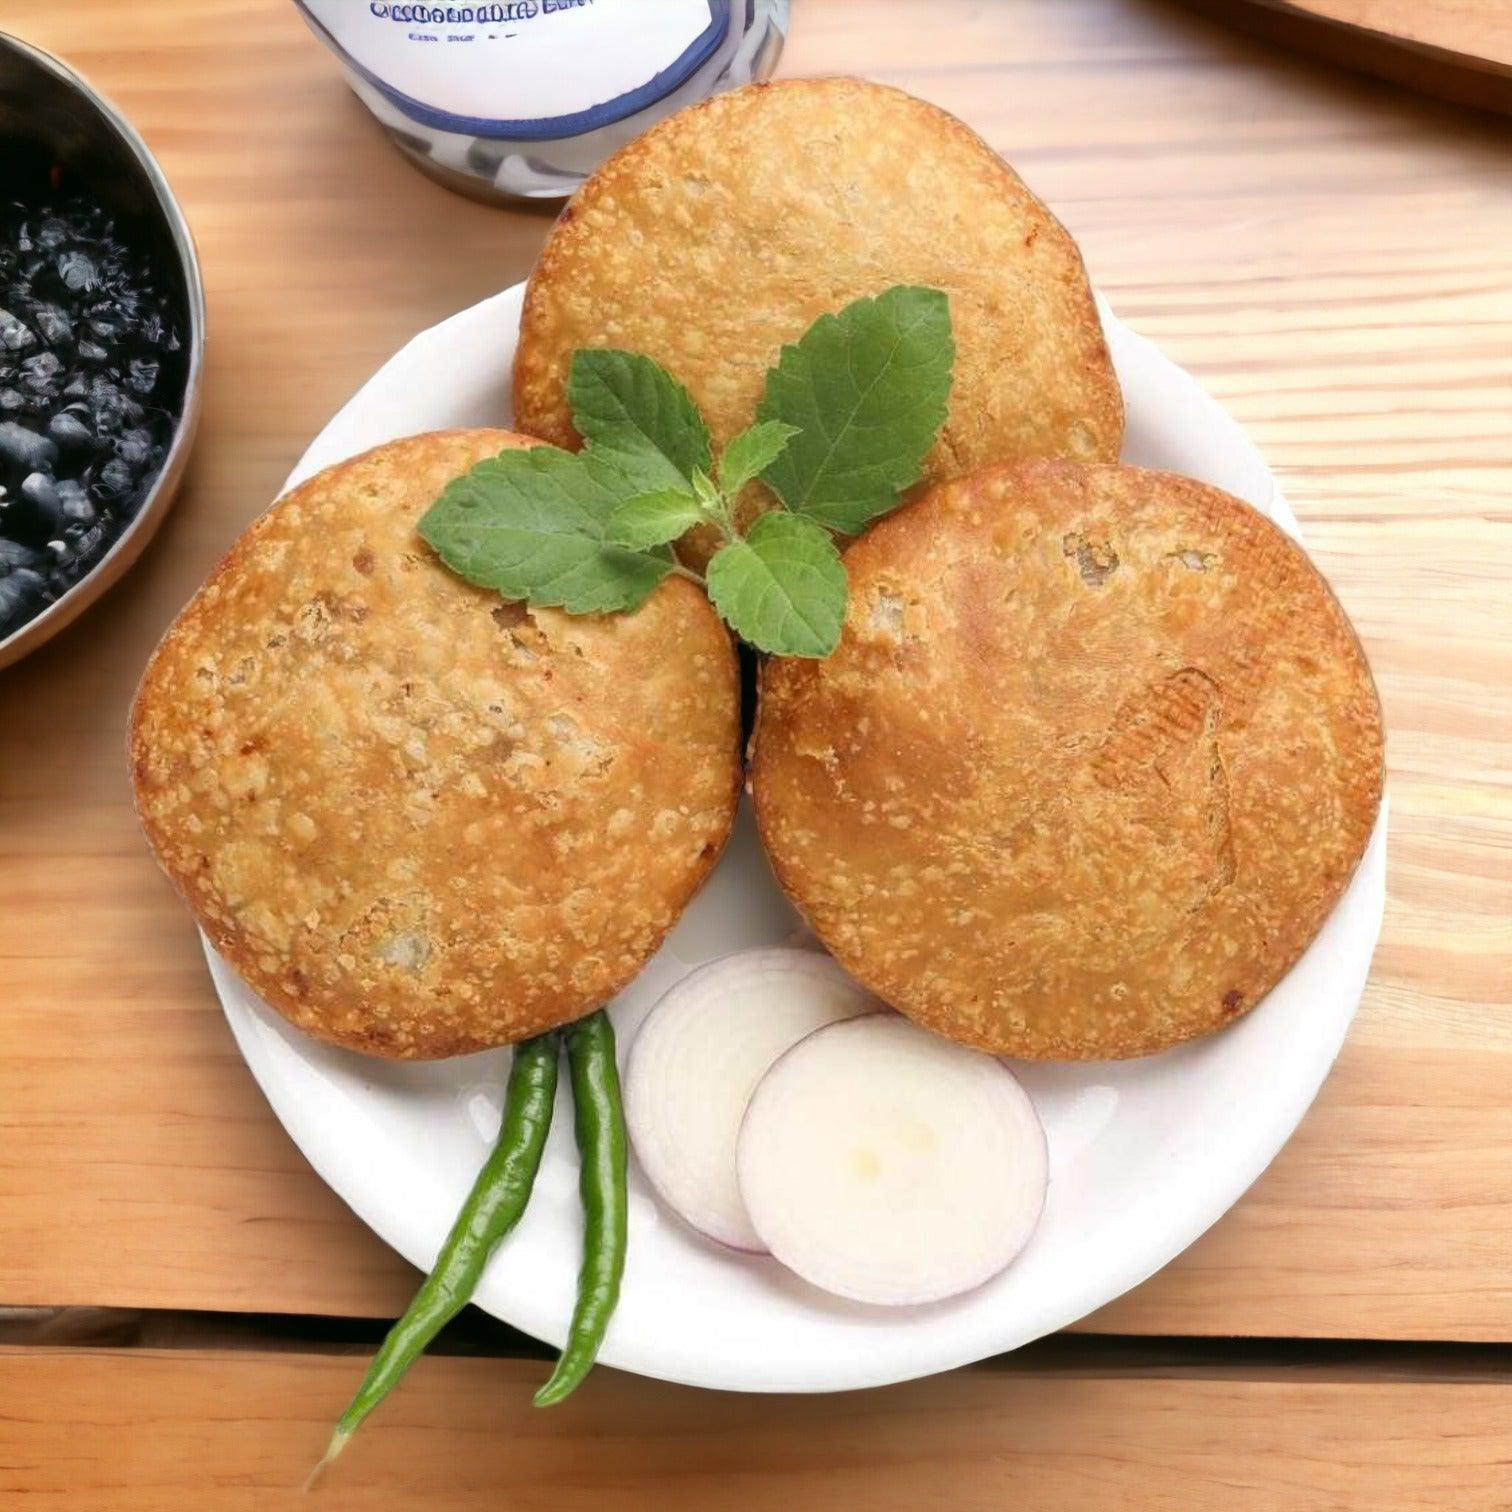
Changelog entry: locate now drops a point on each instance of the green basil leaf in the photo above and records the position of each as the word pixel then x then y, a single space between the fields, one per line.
pixel 530 524
pixel 783 587
pixel 867 390
pixel 652 519
pixel 751 452
pixel 638 419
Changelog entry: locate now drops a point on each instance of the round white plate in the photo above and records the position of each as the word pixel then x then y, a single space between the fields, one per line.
pixel 1144 1155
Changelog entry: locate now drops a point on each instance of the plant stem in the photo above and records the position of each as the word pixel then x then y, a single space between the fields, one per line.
pixel 713 505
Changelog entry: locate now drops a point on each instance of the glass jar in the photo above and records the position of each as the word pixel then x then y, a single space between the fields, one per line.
pixel 522 99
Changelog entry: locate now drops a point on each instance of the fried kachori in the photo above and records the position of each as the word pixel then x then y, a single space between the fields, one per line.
pixel 1097 754
pixel 416 819
pixel 727 229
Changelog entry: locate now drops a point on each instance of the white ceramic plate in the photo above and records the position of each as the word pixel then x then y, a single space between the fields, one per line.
pixel 1144 1155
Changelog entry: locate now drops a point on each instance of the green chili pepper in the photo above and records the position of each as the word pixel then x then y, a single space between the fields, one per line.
pixel 493 1208
pixel 599 1118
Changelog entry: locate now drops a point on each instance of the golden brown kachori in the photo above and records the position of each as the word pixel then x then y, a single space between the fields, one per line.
pixel 1097 754
pixel 419 820
pixel 727 229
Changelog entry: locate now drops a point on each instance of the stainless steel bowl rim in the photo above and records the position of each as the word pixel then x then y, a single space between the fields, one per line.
pixel 128 545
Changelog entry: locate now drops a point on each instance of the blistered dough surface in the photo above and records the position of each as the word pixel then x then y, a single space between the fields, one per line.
pixel 1097 754
pixel 419 820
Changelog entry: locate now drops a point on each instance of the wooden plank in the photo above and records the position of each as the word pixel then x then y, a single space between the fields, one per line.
pixel 1460 50
pixel 1477 33
pixel 1331 260
pixel 139 1431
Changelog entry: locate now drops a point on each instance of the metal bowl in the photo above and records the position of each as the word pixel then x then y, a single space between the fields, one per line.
pixel 44 101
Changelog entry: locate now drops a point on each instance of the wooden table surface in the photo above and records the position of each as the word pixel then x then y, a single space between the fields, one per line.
pixel 1333 258
pixel 1459 50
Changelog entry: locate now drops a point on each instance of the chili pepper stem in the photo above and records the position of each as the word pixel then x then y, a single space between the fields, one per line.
pixel 338 1442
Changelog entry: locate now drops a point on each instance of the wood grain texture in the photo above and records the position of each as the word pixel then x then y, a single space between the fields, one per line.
pixel 1460 50
pixel 1328 255
pixel 1477 31
pixel 144 1431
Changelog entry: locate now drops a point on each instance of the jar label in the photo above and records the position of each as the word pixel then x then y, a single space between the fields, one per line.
pixel 522 69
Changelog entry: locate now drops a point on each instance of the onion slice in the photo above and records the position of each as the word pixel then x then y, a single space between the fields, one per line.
pixel 698 1058
pixel 887 1165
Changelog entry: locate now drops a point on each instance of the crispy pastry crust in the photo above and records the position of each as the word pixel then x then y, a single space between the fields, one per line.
pixel 726 230
pixel 420 821
pixel 1097 754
